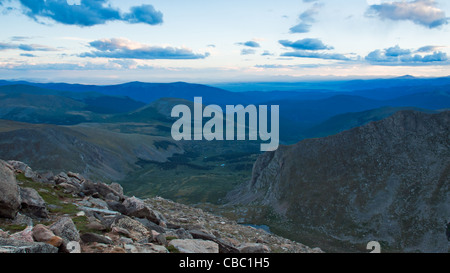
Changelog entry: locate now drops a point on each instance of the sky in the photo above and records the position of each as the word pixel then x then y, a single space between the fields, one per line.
pixel 116 41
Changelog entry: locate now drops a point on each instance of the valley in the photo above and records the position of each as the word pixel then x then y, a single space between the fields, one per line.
pixel 122 133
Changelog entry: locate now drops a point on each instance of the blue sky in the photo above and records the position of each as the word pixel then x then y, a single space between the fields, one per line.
pixel 114 41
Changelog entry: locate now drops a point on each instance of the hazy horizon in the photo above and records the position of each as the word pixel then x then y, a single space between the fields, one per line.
pixel 112 41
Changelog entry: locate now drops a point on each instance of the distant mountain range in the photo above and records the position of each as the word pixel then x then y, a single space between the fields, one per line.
pixel 300 110
pixel 122 133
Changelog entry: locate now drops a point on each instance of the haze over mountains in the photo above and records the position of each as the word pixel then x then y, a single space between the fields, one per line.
pixel 122 133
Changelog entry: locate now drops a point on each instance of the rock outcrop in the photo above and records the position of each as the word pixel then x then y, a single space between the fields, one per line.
pixel 70 214
pixel 386 181
pixel 9 192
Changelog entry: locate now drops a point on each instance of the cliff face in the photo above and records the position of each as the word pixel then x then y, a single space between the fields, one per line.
pixel 386 181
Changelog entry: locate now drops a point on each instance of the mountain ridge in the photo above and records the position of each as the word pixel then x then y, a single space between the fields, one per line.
pixel 385 181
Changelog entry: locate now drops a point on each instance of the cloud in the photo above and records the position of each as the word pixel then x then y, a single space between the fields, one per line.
pixel 250 44
pixel 316 55
pixel 421 12
pixel 396 51
pixel 34 47
pixel 428 48
pixel 305 44
pixel 306 19
pixel 392 56
pixel 110 65
pixel 27 55
pixel 88 12
pixel 126 49
pixel 6 46
pixel 25 47
pixel 247 51
pixel 267 53
pixel 19 38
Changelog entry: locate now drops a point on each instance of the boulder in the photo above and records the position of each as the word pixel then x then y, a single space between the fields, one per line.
pixel 135 207
pixel 15 246
pixel 9 192
pixel 95 238
pixel 100 189
pixel 194 246
pixel 42 234
pixel 224 247
pixel 117 187
pixel 21 167
pixel 254 248
pixel 145 248
pixel 66 229
pixel 181 233
pixel 25 235
pixel 137 231
pixel 117 206
pixel 77 176
pixel 32 203
pixel 151 225
pixel 69 188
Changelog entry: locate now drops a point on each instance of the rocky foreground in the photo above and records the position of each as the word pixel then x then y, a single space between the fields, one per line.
pixel 66 213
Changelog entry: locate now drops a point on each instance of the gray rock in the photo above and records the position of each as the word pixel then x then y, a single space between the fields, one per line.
pixel 117 187
pixel 194 246
pixel 112 197
pixel 96 238
pixel 69 188
pixel 101 189
pixel 9 192
pixel 101 211
pixel 66 229
pixel 18 166
pixel 116 206
pixel 25 235
pixel 145 248
pixel 160 239
pixel 137 231
pixel 136 208
pixel 254 248
pixel 181 233
pixel 151 225
pixel 99 203
pixel 14 246
pixel 224 247
pixel 32 203
pixel 77 176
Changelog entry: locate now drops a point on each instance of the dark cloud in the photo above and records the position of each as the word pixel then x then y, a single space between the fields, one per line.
pixel 422 12
pixel 316 55
pixel 392 56
pixel 126 49
pixel 305 44
pixel 89 12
